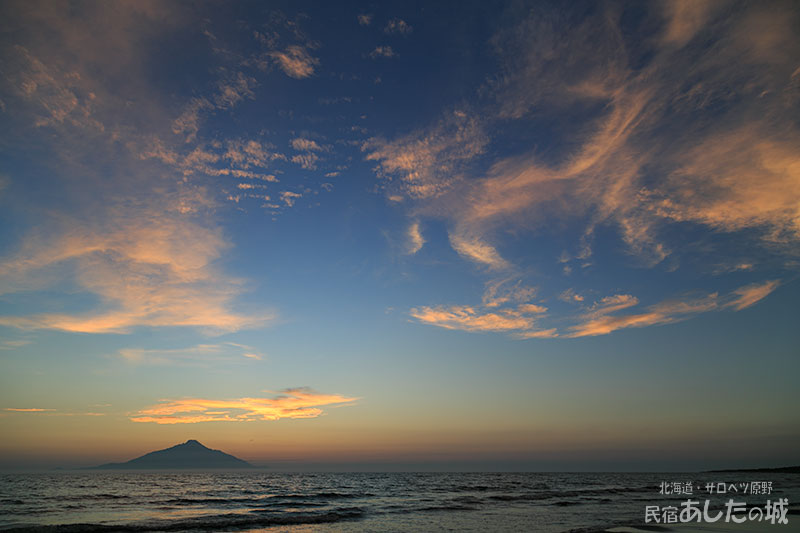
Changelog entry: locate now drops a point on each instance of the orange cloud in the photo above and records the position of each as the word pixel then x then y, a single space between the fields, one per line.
pixel 599 322
pixel 152 266
pixel 738 180
pixel 600 318
pixel 610 304
pixel 295 61
pixel 749 295
pixel 27 409
pixel 606 324
pixel 237 158
pixel 306 160
pixel 415 239
pixel 570 296
pixel 468 318
pixel 531 309
pixel 541 334
pixel 293 403
pixel 656 154
pixel 427 163
pixel 305 145
pixel 478 251
pixel 505 307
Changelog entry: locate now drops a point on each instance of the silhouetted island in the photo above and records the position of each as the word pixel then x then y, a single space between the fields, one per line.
pixel 189 455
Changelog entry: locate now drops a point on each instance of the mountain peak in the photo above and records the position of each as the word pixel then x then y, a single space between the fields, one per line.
pixel 190 454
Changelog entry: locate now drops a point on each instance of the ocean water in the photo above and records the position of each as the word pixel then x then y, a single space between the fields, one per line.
pixel 349 502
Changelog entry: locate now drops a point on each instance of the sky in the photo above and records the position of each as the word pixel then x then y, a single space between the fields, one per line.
pixel 401 235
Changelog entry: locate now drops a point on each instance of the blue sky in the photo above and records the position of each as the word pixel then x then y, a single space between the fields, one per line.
pixel 531 234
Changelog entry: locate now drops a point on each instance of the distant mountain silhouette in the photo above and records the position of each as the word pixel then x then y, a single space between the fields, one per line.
pixel 189 455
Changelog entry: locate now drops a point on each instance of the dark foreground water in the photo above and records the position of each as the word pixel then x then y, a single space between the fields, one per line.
pixel 260 501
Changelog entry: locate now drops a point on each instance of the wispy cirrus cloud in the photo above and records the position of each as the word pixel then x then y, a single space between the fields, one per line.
pixel 27 409
pixel 476 250
pixel 739 173
pixel 140 247
pixel 200 354
pixel 504 291
pixel 464 318
pixel 602 320
pixel 506 308
pixel 604 173
pixel 58 95
pixel 295 61
pixel 415 239
pixel 735 181
pixel 229 92
pixel 425 164
pixel 684 19
pixel 467 318
pixel 501 312
pixel 291 403
pixel 648 151
pixel 611 304
pixel 749 295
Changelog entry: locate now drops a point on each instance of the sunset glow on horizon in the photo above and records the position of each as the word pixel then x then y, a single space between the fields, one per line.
pixel 516 235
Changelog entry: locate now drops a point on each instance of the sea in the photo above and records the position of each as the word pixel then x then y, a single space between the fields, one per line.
pixel 67 501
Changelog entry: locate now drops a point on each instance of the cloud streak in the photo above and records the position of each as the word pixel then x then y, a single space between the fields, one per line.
pixel 292 403
pixel 520 320
pixel 752 294
pixel 478 251
pixel 601 320
pixel 200 354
